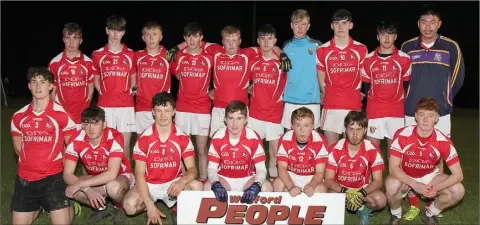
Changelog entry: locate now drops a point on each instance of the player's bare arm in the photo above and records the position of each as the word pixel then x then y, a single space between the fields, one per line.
pixel 376 183
pixel 316 179
pixel 397 172
pixel 69 176
pixel 91 89
pixel 455 178
pixel 96 83
pixel 153 213
pixel 17 144
pixel 287 181
pixel 330 182
pixel 177 186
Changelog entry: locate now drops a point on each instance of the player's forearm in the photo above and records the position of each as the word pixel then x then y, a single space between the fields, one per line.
pixel 17 144
pixel 321 78
pixel 52 95
pixel 212 172
pixel 260 172
pixel 91 88
pixel 333 185
pixel 70 178
pixel 190 175
pixel 142 188
pixel 96 83
pixel 401 176
pixel 316 179
pixel 133 80
pixel 99 179
pixel 449 181
pixel 285 178
pixel 373 186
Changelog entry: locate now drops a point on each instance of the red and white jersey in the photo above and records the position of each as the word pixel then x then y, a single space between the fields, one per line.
pixel 356 171
pixel 43 135
pixel 71 78
pixel 114 69
pixel 342 74
pixel 153 76
pixel 194 72
pixel 386 96
pixel 230 73
pixel 302 161
pixel 236 161
pixel 420 156
pixel 95 158
pixel 268 84
pixel 163 159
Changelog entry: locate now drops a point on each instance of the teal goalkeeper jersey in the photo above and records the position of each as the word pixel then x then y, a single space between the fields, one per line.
pixel 302 83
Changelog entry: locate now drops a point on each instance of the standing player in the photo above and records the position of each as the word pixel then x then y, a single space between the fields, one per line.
pixel 72 74
pixel 159 154
pixel 386 72
pixel 301 157
pixel 339 62
pixel 265 112
pixel 236 160
pixel 414 165
pixel 193 70
pixel 153 74
pixel 355 167
pixel 39 131
pixel 302 87
pixel 109 173
pixel 437 69
pixel 114 70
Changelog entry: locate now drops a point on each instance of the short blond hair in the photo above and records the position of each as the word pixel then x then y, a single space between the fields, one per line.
pixel 229 30
pixel 301 113
pixel 300 14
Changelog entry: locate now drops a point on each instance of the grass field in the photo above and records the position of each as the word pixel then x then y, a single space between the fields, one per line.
pixel 465 136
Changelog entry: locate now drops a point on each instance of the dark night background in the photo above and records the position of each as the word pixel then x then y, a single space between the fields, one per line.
pixel 32 31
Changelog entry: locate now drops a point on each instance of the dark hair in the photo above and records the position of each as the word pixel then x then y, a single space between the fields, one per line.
pixel 151 25
pixel 429 9
pixel 341 14
pixel 93 114
pixel 162 99
pixel 386 27
pixel 192 29
pixel 235 106
pixel 44 72
pixel 72 28
pixel 116 22
pixel 266 29
pixel 427 104
pixel 356 117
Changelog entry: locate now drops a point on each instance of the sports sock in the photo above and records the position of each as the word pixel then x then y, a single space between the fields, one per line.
pixel 432 210
pixel 396 212
pixel 414 200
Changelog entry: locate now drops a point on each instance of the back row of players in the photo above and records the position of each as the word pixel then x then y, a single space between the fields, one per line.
pixel 118 72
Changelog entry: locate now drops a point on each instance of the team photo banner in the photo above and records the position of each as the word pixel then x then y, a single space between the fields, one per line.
pixel 201 207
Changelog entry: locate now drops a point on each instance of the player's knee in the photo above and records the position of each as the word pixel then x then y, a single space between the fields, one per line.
pixel 115 189
pixel 457 191
pixel 392 186
pixel 278 185
pixel 267 186
pixel 195 185
pixel 130 205
pixel 380 200
pixel 321 188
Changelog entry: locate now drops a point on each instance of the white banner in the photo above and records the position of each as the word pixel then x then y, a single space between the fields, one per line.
pixel 201 207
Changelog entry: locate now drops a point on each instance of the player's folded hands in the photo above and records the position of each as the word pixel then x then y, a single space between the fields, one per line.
pixel 219 191
pixel 285 63
pixel 71 190
pixel 95 198
pixel 295 191
pixel 308 190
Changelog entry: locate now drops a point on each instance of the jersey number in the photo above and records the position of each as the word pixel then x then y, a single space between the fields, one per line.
pixel 233 153
pixel 384 67
pixel 115 61
pixel 342 57
pixel 300 158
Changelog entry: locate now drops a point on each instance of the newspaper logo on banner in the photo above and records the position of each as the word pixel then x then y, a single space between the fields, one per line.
pixel 201 207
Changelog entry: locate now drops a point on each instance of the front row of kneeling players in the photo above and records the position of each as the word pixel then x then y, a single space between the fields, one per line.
pixel 237 163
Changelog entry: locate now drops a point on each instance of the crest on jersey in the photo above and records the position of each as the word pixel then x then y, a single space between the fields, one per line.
pixel 431 156
pixel 203 63
pixel 48 125
pixel 172 151
pixel 161 64
pixel 310 51
pixel 361 165
pixel 438 57
pixel 372 129
pixel 125 62
pixel 274 70
pixel 244 155
pixel 394 68
pixel 352 57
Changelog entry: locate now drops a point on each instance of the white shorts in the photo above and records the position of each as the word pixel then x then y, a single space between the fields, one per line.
pixel 193 123
pixel 443 124
pixel 159 192
pixel 120 118
pixel 237 184
pixel 333 120
pixel 218 120
pixel 425 179
pixel 130 177
pixel 299 180
pixel 144 119
pixel 268 130
pixel 289 108
pixel 380 128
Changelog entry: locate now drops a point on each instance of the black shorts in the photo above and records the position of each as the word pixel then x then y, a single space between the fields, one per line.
pixel 48 193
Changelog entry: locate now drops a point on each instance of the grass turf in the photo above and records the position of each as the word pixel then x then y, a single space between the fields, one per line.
pixel 465 137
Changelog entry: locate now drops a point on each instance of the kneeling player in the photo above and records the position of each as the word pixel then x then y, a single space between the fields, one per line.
pixel 414 164
pixel 301 157
pixel 158 156
pixel 235 151
pixel 100 149
pixel 355 167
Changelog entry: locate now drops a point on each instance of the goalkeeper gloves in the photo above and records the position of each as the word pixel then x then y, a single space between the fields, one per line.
pixel 172 54
pixel 285 63
pixel 355 198
pixel 251 193
pixel 219 191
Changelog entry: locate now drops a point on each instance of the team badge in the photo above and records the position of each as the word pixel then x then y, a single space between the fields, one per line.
pixel 161 65
pixel 244 155
pixel 394 68
pixel 431 156
pixel 172 151
pixel 310 51
pixel 125 62
pixel 48 125
pixel 372 129
pixel 438 57
pixel 352 57
pixel 203 63
pixel 274 70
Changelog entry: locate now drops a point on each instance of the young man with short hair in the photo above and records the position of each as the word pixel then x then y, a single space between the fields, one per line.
pixel 355 167
pixel 114 70
pixel 414 165
pixel 159 154
pixel 109 174
pixel 385 73
pixel 236 159
pixel 301 157
pixel 72 74
pixel 302 87
pixel 339 62
pixel 39 131
pixel 266 104
pixel 153 74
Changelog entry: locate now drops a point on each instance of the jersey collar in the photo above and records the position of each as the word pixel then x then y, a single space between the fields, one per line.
pixel 243 135
pixel 121 50
pixel 79 56
pixel 47 108
pixel 394 52
pixel 360 151
pixel 157 136
pixel 350 42
pixel 294 140
pixel 418 43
